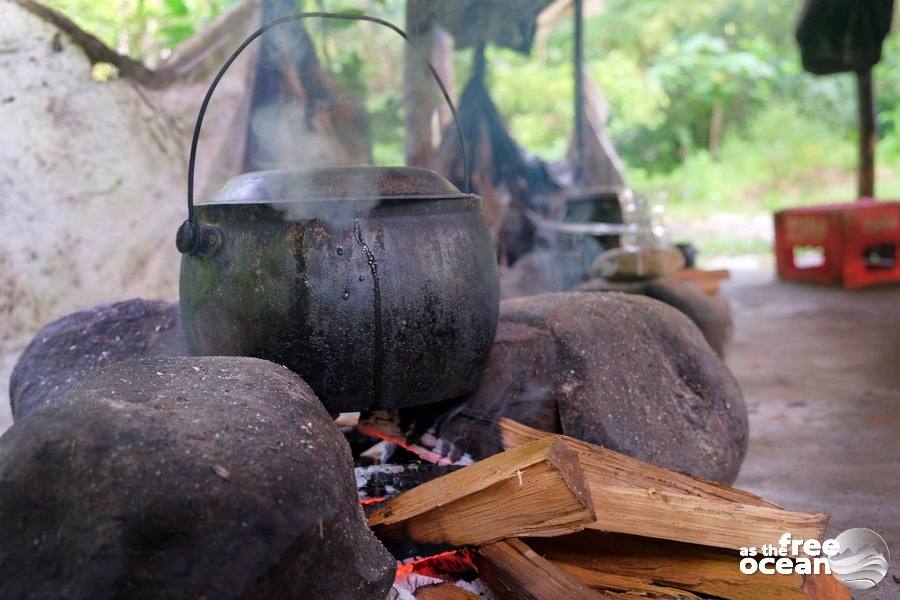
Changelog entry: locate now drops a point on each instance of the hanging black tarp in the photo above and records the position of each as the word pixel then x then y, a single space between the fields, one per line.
pixel 294 97
pixel 507 178
pixel 508 23
pixel 836 36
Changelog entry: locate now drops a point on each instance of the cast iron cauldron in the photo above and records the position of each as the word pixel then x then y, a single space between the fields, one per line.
pixel 378 285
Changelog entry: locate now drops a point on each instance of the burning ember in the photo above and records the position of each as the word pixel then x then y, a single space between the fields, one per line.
pixel 455 567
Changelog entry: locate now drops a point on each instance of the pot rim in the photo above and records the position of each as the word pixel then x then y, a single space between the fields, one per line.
pixel 360 183
pixel 345 200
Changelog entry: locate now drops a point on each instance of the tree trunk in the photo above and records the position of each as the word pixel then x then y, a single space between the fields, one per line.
pixel 715 128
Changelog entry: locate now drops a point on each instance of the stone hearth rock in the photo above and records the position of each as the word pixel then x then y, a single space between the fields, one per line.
pixel 69 348
pixel 621 371
pixel 216 477
pixel 544 272
pixel 711 314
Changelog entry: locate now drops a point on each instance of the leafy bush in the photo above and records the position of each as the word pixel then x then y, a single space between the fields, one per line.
pixel 780 158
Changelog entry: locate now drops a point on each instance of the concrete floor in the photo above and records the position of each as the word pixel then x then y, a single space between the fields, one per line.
pixel 820 370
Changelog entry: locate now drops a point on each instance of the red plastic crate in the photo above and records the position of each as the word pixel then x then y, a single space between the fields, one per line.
pixel 852 244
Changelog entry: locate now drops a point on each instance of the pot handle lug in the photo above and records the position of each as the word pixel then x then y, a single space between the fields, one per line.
pixel 197 239
pixel 190 234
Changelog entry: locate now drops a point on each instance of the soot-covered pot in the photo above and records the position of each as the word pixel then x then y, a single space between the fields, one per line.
pixel 379 286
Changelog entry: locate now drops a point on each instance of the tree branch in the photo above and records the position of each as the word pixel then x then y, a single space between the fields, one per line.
pixel 188 58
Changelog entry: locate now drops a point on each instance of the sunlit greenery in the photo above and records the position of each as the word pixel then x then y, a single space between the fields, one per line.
pixel 708 100
pixel 146 29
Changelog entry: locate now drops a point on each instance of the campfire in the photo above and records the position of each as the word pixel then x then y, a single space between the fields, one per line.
pixel 555 517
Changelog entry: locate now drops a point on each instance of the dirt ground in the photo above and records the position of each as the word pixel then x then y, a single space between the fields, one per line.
pixel 820 370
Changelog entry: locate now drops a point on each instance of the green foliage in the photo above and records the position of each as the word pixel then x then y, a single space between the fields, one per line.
pixel 145 29
pixel 535 99
pixel 363 58
pixel 780 158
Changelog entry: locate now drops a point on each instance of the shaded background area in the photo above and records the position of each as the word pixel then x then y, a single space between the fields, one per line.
pixel 709 108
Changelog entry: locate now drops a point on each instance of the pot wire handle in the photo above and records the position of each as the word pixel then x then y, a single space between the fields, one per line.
pixel 190 238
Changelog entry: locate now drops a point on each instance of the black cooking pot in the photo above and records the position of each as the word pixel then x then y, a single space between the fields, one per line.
pixel 378 285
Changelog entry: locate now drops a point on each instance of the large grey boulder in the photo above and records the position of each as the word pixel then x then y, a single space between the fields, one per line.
pixel 711 314
pixel 621 371
pixel 68 349
pixel 184 478
pixel 545 272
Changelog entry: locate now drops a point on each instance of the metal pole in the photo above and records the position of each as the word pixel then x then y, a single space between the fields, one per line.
pixel 579 91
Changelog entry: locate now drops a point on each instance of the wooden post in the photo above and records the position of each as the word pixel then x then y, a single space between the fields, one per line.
pixel 868 134
pixel 442 59
pixel 419 98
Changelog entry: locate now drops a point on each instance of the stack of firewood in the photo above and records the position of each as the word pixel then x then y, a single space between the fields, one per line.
pixel 553 517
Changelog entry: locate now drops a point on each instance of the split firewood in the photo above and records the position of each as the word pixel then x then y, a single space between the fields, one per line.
pixel 591 554
pixel 684 518
pixel 609 582
pixel 825 587
pixel 615 469
pixel 444 591
pixel 633 497
pixel 513 571
pixel 537 489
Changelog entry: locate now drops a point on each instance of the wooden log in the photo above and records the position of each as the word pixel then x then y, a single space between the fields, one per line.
pixel 513 571
pixel 707 282
pixel 825 587
pixel 692 274
pixel 537 489
pixel 613 468
pixel 444 591
pixel 610 582
pixel 684 518
pixel 633 497
pixel 689 567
